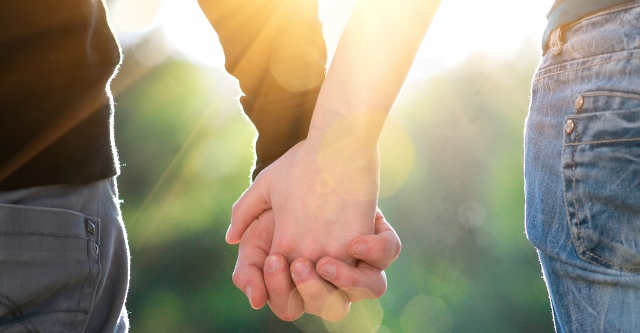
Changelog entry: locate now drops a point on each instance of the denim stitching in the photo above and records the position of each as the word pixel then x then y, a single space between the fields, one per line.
pixel 602 141
pixel 583 67
pixel 611 93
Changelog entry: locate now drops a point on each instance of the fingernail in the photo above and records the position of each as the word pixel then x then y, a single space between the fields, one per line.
pixel 273 263
pixel 228 231
pixel 328 271
pixel 248 291
pixel 359 250
pixel 300 270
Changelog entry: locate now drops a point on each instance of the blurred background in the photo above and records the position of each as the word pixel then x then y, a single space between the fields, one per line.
pixel 452 182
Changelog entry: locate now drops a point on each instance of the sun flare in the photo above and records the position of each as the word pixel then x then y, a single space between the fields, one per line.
pixel 460 28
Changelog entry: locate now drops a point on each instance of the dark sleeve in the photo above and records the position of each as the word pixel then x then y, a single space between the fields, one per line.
pixel 276 50
pixel 56 58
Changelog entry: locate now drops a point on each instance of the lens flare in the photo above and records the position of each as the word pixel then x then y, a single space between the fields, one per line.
pixel 426 314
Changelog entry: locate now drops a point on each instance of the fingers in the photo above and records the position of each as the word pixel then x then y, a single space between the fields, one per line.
pixel 249 279
pixel 249 206
pixel 284 299
pixel 254 247
pixel 378 250
pixel 358 283
pixel 320 297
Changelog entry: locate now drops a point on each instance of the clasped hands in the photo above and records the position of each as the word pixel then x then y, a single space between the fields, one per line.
pixel 311 237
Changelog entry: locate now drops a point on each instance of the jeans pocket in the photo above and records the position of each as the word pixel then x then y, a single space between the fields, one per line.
pixel 601 174
pixel 49 269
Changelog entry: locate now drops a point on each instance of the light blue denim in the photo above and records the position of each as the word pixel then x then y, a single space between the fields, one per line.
pixel 64 260
pixel 582 172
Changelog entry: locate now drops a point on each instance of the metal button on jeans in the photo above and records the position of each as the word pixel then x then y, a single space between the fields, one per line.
pixel 579 102
pixel 569 126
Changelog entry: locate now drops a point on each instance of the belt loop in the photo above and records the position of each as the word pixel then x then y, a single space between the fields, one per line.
pixel 555 42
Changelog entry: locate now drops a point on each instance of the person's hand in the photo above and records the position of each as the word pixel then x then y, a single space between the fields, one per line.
pixel 327 288
pixel 322 192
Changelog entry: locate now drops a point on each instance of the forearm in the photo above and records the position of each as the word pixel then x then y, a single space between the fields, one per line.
pixel 372 60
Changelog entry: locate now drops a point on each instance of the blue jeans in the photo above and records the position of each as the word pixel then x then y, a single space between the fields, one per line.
pixel 582 172
pixel 64 260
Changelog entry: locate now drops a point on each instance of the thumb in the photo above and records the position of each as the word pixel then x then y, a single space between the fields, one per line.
pixel 253 202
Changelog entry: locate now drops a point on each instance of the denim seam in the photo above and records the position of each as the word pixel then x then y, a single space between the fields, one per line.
pixel 602 141
pixel 610 93
pixel 585 66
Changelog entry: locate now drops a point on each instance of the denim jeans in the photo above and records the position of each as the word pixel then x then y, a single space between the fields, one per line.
pixel 64 260
pixel 582 172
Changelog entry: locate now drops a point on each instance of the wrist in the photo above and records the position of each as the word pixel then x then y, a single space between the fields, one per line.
pixel 347 161
pixel 354 134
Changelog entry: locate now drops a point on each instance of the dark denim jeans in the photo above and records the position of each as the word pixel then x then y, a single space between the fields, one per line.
pixel 582 172
pixel 64 260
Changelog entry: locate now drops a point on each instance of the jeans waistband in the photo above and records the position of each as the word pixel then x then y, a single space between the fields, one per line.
pixel 555 37
pixel 612 34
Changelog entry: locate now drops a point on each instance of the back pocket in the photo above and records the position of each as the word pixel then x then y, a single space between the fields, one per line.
pixel 601 173
pixel 49 269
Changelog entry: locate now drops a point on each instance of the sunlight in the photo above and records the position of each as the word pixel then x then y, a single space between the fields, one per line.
pixel 464 27
pixel 461 28
pixel 188 30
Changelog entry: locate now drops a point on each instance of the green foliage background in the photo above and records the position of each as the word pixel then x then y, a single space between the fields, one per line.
pixel 452 187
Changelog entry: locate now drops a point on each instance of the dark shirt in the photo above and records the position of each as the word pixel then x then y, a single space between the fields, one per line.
pixel 55 60
pixel 566 11
pixel 57 57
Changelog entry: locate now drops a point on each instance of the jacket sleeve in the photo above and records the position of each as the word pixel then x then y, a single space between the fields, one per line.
pixel 276 50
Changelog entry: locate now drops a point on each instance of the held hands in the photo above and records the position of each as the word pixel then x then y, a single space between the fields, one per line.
pixel 320 200
pixel 313 209
pixel 325 289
